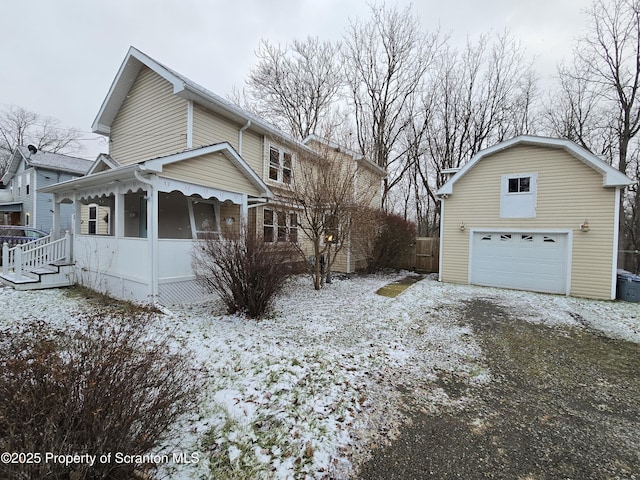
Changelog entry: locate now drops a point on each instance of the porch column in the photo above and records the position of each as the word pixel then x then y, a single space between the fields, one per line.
pixel 118 211
pixel 152 238
pixel 77 216
pixel 55 227
pixel 244 212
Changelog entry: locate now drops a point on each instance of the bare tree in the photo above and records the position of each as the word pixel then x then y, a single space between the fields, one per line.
pixel 296 87
pixel 602 90
pixel 386 59
pixel 19 126
pixel 473 98
pixel 330 188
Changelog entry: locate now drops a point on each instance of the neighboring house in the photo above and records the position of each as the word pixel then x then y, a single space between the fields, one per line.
pixel 182 162
pixel 27 171
pixel 533 213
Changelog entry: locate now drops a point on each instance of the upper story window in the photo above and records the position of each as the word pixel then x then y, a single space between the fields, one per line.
pixel 280 165
pixel 518 196
pixel 520 185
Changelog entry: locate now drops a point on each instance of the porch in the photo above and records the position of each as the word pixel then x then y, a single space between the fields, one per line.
pixel 137 245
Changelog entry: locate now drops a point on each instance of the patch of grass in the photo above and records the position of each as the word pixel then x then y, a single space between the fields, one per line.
pixel 396 288
pixel 267 434
pixel 103 301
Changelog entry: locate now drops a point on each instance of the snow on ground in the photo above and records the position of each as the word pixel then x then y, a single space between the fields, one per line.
pixel 310 390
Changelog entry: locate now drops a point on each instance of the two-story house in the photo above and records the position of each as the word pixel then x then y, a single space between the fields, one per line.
pixel 27 171
pixel 182 161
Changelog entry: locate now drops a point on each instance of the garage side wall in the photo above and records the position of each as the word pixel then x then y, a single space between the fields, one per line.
pixel 568 192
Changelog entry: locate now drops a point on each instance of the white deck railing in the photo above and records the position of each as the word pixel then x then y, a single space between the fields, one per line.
pixel 34 255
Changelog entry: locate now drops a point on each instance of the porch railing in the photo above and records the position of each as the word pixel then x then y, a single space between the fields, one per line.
pixel 36 254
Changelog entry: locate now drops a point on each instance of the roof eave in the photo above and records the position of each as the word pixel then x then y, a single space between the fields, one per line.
pixel 610 176
pixel 93 180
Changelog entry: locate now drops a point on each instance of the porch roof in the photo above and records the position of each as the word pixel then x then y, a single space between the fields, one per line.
pixel 97 179
pixel 128 173
pixel 11 207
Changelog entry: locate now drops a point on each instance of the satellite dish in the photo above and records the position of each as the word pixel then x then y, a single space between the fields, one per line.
pixel 32 149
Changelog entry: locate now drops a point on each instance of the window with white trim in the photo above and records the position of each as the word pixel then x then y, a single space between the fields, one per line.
pixel 280 165
pixel 519 185
pixel 279 226
pixel 92 221
pixel 518 195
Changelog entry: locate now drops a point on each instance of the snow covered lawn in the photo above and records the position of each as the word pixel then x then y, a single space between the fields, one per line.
pixel 310 390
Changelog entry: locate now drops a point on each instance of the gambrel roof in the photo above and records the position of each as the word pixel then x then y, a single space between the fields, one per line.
pixel 610 176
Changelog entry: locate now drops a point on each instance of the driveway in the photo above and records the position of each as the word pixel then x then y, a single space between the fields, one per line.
pixel 564 402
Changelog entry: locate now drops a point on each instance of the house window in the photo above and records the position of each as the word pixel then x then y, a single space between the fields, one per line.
pixel 268 225
pixel 518 195
pixel 27 219
pixel 206 219
pixel 519 185
pixel 280 165
pixel 332 228
pixel 293 227
pixel 280 226
pixel 93 220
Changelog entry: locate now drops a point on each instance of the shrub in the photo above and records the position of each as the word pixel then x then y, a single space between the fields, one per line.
pixel 101 388
pixel 245 272
pixel 394 239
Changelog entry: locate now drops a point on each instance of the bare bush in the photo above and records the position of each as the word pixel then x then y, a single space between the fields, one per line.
pixel 98 389
pixel 244 271
pixel 394 239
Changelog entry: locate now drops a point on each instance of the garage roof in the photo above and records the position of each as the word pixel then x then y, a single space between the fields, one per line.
pixel 611 176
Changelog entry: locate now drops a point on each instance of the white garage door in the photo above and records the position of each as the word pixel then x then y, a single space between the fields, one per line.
pixel 524 261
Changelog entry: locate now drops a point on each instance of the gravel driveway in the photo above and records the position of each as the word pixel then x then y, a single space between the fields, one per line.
pixel 564 402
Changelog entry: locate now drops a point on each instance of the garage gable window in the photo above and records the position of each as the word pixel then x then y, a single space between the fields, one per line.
pixel 518 195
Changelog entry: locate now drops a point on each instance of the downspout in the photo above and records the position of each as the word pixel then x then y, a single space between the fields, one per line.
pixel 152 234
pixel 190 124
pixel 616 239
pixel 240 136
pixel 442 199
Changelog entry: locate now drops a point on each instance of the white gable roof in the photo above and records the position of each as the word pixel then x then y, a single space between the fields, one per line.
pixel 610 176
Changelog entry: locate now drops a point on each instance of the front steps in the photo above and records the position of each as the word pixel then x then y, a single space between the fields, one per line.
pixel 57 274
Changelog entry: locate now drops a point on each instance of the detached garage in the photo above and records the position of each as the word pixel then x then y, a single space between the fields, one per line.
pixel 533 213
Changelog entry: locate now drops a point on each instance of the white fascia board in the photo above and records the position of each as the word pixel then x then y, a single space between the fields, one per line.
pixel 96 179
pixel 611 176
pixel 123 82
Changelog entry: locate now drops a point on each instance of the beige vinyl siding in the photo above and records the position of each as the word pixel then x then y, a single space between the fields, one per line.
pixel 568 192
pixel 152 121
pixel 209 128
pixel 213 170
pixel 231 211
pixel 369 187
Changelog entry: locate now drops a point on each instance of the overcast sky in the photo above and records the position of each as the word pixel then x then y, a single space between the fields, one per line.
pixel 59 57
